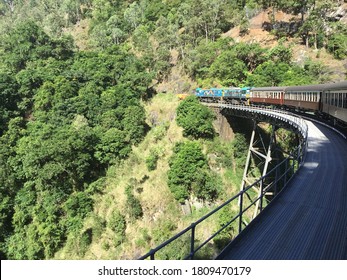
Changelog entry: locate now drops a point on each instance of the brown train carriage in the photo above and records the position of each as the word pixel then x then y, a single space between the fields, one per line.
pixel 304 97
pixel 267 95
pixel 334 100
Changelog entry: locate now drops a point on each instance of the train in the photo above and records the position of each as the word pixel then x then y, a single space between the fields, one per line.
pixel 235 95
pixel 326 100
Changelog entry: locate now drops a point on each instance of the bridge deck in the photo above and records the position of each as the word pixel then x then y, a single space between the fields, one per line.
pixel 309 219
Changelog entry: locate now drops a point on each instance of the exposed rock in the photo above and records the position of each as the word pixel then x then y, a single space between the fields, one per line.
pixel 222 127
pixel 196 203
pixel 186 209
pixel 339 14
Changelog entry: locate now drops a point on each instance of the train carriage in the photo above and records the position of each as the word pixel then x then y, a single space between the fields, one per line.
pixel 304 97
pixel 267 95
pixel 334 100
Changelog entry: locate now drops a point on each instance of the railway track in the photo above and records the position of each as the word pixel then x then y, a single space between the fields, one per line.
pixel 308 220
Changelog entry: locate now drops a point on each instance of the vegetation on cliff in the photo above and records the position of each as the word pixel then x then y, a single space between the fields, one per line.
pixel 93 161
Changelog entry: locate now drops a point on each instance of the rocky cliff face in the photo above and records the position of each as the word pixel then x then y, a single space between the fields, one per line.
pixel 340 14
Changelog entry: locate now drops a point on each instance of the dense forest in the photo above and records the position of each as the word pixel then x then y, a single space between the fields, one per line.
pixel 75 78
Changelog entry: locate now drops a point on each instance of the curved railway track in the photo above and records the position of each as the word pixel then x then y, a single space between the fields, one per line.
pixel 308 220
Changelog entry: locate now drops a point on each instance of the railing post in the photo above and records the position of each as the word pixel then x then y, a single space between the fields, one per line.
pixel 152 252
pixel 240 211
pixel 192 241
pixel 261 194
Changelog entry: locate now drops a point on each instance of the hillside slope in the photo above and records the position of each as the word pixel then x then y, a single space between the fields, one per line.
pixel 257 34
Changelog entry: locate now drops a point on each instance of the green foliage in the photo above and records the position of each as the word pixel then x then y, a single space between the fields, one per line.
pixel 76 208
pixel 317 70
pixel 134 123
pixel 82 112
pixel 239 148
pixel 160 131
pixel 118 224
pixel 98 225
pixel 287 140
pixel 244 26
pixel 207 185
pixel 223 153
pixel 28 42
pixel 281 53
pixel 133 205
pixel 9 97
pixel 151 160
pixel 84 241
pixel 112 146
pixel 224 237
pixel 189 174
pixel 195 118
pixel 164 231
pixel 337 45
pixel 228 69
pixel 201 58
pixel 37 230
pixel 187 160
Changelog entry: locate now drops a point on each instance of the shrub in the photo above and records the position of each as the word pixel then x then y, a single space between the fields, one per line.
pixel 84 241
pixel 133 205
pixel 189 174
pixel 118 224
pixel 225 236
pixel 195 119
pixel 151 161
pixel 207 185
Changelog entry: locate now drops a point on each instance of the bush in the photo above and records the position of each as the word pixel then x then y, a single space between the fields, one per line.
pixel 184 165
pixel 77 207
pixel 240 148
pixel 207 185
pixel 118 224
pixel 337 46
pixel 133 205
pixel 99 225
pixel 84 241
pixel 195 119
pixel 151 160
pixel 164 231
pixel 160 131
pixel 224 237
pixel 189 174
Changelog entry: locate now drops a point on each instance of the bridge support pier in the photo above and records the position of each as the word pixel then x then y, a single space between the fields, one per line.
pixel 259 155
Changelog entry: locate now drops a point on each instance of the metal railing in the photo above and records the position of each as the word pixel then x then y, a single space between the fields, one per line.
pixel 280 176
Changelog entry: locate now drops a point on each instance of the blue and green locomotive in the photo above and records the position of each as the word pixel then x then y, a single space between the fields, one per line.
pixel 234 95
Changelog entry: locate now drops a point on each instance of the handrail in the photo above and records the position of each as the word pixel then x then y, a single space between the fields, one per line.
pixel 289 165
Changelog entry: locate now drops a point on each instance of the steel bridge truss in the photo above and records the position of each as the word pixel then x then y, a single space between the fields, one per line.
pixel 259 156
pixel 261 153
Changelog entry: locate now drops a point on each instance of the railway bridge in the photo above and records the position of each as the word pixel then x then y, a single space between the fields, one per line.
pixel 307 217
